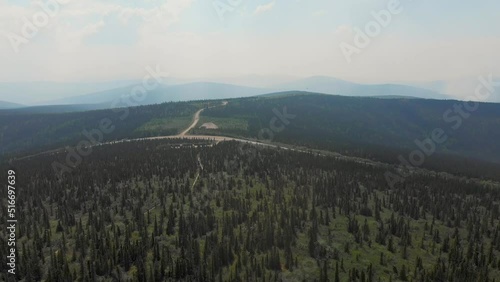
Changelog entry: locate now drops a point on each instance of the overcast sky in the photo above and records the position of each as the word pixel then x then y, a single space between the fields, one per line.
pixel 94 40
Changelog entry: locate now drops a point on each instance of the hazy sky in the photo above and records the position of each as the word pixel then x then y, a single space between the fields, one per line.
pixel 106 40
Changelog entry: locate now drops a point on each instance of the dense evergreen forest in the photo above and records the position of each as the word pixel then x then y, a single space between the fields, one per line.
pixel 186 210
pixel 380 129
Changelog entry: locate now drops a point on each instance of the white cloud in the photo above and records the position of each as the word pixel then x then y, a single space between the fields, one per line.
pixel 67 39
pixel 264 8
pixel 186 54
pixel 11 16
pixel 165 13
pixel 319 13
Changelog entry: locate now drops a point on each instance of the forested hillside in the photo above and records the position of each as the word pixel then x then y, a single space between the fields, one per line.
pixel 379 129
pixel 159 211
pixel 30 132
pixel 373 128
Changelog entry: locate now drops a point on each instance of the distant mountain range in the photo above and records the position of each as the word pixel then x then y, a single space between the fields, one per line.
pixel 166 93
pixel 38 92
pixel 459 88
pixel 9 105
pixel 172 90
pixel 329 85
pixel 211 90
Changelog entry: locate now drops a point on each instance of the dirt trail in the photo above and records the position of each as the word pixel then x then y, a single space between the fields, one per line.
pixel 196 118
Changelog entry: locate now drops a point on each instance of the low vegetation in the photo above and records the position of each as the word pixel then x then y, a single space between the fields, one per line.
pixel 231 126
